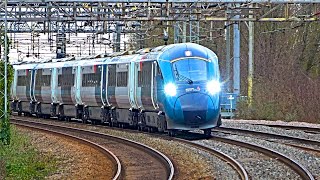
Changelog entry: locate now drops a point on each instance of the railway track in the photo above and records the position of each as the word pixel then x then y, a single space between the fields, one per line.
pixel 224 157
pixel 235 164
pixel 138 161
pixel 118 172
pixel 292 164
pixel 273 136
pixel 298 168
pixel 311 130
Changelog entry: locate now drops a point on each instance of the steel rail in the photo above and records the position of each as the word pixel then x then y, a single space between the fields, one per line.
pixel 153 152
pixel 277 136
pixel 234 163
pixel 303 147
pixel 170 1
pixel 302 128
pixel 118 173
pixel 303 172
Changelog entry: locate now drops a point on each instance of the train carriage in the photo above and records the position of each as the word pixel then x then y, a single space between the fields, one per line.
pixel 21 93
pixel 169 88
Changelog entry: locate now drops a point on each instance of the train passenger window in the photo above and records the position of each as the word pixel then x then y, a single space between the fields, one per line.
pixel 112 75
pixel 44 80
pixel 91 80
pixel 59 80
pixel 122 79
pixel 22 81
pixel 65 79
pixel 139 78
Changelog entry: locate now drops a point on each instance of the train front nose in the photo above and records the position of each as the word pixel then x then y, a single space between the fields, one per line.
pixel 196 110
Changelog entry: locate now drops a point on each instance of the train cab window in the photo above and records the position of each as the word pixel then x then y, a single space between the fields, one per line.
pixel 190 69
pixel 122 79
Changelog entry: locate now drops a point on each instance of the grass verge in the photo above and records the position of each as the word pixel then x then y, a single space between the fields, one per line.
pixel 20 160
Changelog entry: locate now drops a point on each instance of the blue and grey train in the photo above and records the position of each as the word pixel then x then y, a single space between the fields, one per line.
pixel 168 88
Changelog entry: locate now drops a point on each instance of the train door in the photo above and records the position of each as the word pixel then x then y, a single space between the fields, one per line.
pixel 23 85
pixel 111 84
pixel 66 84
pixel 146 95
pixel 37 91
pixel 121 93
pixel 78 80
pixel 133 84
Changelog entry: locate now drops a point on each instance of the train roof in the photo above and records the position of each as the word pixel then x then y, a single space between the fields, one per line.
pixel 146 54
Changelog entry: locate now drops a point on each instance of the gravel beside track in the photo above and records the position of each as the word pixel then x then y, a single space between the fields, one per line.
pixel 250 125
pixel 138 162
pixel 308 160
pixel 278 122
pixel 74 160
pixel 190 163
pixel 256 164
pixel 297 142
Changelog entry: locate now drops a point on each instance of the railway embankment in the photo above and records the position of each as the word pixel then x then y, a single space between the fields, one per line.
pixel 38 155
pixel 23 159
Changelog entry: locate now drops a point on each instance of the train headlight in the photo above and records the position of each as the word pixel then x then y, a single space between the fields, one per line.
pixel 170 89
pixel 213 87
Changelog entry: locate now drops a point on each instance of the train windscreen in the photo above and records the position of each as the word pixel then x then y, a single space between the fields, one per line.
pixel 190 70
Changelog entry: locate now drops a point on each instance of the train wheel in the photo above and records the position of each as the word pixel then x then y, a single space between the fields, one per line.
pixel 172 133
pixel 150 129
pixel 207 132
